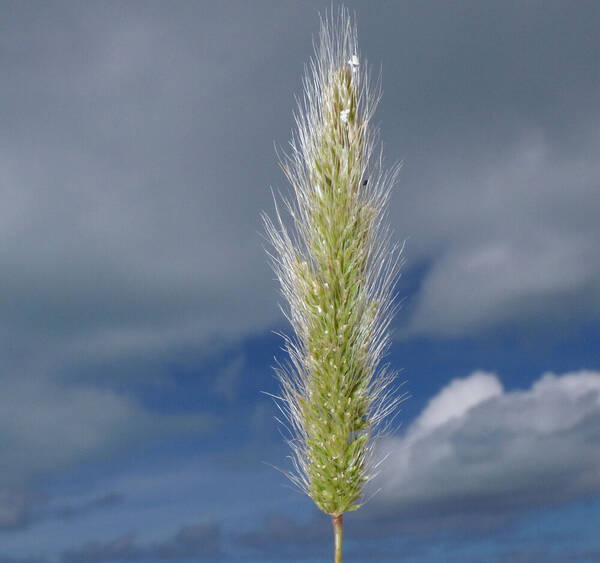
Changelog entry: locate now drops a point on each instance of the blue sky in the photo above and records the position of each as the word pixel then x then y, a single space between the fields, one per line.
pixel 138 309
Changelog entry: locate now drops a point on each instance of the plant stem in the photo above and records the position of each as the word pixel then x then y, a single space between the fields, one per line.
pixel 337 534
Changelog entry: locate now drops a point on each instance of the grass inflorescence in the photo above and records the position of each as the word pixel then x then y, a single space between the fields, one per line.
pixel 337 268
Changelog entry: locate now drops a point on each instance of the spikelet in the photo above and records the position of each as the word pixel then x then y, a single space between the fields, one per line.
pixel 337 268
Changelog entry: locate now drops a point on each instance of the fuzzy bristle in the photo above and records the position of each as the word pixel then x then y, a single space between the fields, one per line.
pixel 337 267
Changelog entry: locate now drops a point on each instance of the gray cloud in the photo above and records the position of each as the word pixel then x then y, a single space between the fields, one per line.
pixel 46 424
pixel 281 535
pixel 15 508
pixel 542 553
pixel 495 110
pixel 21 508
pixel 32 559
pixel 103 501
pixel 523 241
pixel 227 381
pixel 192 541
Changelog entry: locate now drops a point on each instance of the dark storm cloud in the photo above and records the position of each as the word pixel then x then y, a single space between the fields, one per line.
pixel 125 230
pixel 193 541
pixel 494 107
pixel 137 151
pixel 135 154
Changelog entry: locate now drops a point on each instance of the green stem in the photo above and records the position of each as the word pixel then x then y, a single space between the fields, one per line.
pixel 337 533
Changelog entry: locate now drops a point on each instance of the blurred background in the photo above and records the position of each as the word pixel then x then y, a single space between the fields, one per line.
pixel 137 308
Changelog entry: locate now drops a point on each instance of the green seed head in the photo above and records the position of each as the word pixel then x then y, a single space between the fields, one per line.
pixel 337 270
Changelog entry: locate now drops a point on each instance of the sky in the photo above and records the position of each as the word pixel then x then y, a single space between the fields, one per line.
pixel 138 312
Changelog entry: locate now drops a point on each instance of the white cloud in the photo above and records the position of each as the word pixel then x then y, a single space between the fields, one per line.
pixel 477 449
pixel 457 398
